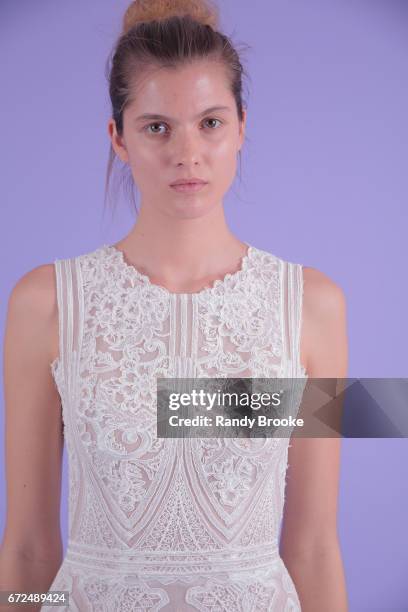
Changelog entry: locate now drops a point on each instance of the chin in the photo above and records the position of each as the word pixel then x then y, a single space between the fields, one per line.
pixel 189 214
pixel 190 209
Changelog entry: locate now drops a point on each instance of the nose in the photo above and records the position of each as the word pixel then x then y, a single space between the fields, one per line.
pixel 186 149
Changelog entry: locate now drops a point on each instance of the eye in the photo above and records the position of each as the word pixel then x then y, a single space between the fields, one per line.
pixel 150 125
pixel 213 119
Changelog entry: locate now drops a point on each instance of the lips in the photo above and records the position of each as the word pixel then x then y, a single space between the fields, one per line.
pixel 188 187
pixel 190 181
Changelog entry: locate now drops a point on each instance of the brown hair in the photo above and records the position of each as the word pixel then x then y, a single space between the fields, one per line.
pixel 166 33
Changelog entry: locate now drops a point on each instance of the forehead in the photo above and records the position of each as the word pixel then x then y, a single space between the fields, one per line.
pixel 187 88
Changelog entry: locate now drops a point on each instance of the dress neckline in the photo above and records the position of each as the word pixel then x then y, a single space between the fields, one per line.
pixel 217 283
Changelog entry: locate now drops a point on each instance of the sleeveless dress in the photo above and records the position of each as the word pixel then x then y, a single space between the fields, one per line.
pixel 171 523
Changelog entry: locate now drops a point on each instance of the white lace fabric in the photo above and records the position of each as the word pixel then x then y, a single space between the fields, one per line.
pixel 171 523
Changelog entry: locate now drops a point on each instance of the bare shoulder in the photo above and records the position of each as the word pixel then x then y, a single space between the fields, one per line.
pixel 323 338
pixel 32 307
pixel 38 283
pixel 322 296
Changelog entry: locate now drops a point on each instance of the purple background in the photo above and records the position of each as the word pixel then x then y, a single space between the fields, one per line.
pixel 324 183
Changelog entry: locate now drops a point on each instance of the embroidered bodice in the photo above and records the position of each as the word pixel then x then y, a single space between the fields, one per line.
pixel 171 523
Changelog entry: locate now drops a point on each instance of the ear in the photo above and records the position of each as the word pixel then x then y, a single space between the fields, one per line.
pixel 117 141
pixel 242 126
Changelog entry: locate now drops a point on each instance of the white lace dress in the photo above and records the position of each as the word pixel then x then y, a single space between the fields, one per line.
pixel 171 523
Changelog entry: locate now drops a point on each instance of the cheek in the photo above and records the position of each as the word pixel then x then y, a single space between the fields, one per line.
pixel 224 160
pixel 225 147
pixel 143 156
pixel 144 163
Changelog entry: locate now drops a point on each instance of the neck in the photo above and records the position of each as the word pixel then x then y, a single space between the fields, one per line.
pixel 174 252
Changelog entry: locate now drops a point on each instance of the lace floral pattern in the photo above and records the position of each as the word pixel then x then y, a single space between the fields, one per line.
pixel 200 512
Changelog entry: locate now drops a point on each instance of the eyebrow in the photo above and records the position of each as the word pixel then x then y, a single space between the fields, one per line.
pixel 155 116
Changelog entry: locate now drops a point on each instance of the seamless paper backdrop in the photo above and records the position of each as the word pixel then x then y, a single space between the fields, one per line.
pixel 324 183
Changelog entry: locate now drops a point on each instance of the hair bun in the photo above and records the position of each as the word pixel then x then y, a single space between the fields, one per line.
pixel 149 10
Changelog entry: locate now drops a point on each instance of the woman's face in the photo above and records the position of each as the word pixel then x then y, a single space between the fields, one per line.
pixel 169 134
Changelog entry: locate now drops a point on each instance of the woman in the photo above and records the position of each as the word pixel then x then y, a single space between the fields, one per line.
pixel 167 524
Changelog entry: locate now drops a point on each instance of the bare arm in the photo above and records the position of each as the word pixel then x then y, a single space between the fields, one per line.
pixel 309 542
pixel 31 550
